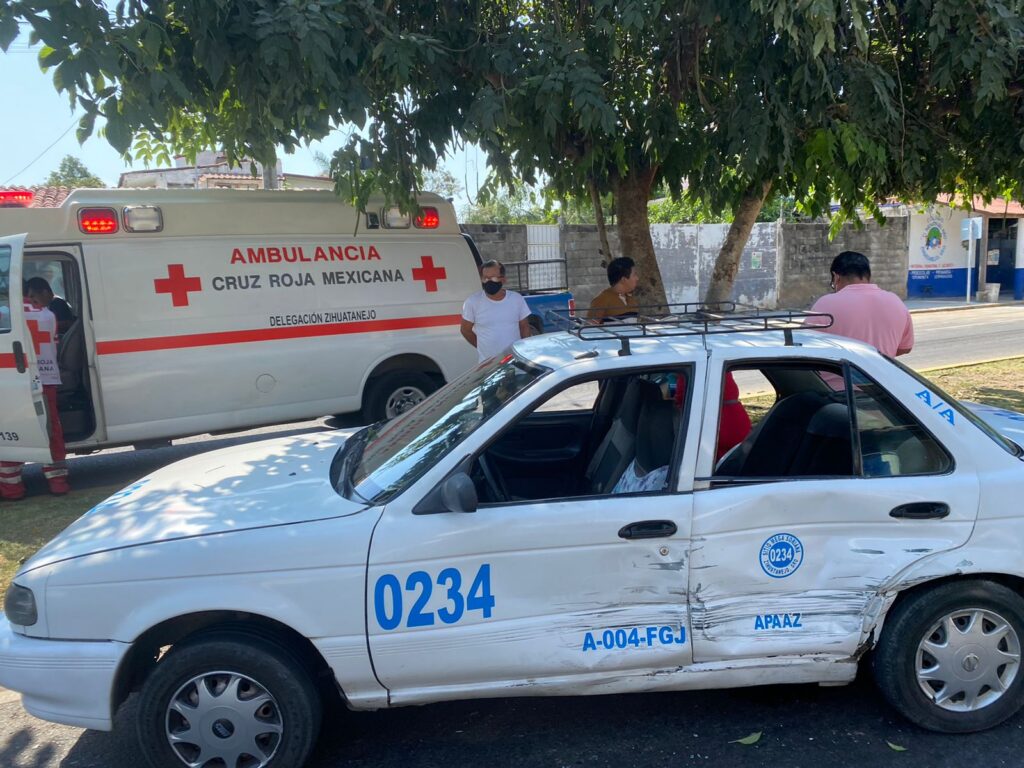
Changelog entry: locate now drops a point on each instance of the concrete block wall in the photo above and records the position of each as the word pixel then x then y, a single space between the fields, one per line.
pixel 794 274
pixel 586 267
pixel 806 254
pixel 504 242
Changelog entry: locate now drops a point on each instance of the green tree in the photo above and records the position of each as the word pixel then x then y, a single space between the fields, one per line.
pixel 512 205
pixel 442 182
pixel 72 173
pixel 818 100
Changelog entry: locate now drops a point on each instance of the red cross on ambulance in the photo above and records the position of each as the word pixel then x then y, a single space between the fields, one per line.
pixel 429 274
pixel 177 285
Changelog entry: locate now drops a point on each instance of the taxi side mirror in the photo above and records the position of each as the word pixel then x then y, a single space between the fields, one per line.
pixel 456 493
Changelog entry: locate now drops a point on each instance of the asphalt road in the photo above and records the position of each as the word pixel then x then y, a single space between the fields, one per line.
pixel 967 335
pixel 800 725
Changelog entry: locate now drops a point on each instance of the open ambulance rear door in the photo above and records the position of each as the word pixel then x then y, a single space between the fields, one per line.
pixel 23 434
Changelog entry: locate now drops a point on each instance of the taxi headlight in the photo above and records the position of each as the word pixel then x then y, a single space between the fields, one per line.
pixel 20 606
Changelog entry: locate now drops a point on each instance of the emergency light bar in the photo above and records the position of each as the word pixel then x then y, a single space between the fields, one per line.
pixel 97 221
pixel 428 219
pixel 143 218
pixel 16 198
pixel 395 219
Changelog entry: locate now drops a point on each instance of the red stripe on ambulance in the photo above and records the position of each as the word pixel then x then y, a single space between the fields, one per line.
pixel 122 346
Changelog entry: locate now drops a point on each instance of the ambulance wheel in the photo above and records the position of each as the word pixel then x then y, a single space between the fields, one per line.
pixel 395 393
pixel 228 700
pixel 949 658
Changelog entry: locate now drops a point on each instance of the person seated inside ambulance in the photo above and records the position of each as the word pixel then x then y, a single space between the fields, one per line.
pixel 38 291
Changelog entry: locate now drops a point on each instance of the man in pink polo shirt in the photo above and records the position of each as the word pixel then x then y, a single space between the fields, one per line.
pixel 863 311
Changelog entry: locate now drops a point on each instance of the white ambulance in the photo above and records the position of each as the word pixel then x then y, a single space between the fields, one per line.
pixel 203 311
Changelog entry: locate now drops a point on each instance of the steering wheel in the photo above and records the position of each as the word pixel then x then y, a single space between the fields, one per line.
pixel 493 479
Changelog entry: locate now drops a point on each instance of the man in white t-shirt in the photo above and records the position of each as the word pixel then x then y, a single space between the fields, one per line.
pixel 493 318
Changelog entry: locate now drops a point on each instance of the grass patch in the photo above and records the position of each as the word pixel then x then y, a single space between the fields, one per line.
pixel 28 524
pixel 999 384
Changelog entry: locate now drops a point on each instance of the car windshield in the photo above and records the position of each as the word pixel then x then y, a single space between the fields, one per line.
pixel 398 452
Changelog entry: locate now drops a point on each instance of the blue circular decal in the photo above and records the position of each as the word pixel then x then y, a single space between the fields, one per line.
pixel 781 555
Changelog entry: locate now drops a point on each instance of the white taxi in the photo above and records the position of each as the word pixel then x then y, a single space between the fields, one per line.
pixel 597 512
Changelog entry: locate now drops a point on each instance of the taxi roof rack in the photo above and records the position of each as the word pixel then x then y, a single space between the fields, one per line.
pixel 695 319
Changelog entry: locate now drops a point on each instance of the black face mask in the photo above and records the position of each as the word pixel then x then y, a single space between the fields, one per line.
pixel 492 287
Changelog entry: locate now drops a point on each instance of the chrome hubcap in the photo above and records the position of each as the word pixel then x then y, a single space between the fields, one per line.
pixel 401 400
pixel 968 660
pixel 223 719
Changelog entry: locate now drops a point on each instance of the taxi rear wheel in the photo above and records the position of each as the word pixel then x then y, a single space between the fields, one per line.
pixel 949 658
pixel 395 393
pixel 228 701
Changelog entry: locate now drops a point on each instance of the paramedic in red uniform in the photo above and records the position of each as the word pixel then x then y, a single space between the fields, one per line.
pixel 43 327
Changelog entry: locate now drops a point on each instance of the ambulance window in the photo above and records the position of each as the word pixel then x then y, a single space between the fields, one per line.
pixel 5 288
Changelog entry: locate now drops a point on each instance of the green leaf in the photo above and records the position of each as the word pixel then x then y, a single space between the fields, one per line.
pixel 896 747
pixel 8 29
pixel 748 740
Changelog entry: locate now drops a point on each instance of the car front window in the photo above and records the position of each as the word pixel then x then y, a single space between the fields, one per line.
pixel 399 452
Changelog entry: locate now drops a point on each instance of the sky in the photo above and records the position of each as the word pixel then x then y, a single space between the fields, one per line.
pixel 39 130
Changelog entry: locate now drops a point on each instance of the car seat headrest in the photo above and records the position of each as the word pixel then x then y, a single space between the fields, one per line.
pixel 831 420
pixel 656 434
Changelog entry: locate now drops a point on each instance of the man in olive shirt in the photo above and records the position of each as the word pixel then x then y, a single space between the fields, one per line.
pixel 616 302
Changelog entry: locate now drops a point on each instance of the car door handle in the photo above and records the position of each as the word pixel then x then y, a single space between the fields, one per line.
pixel 648 529
pixel 19 357
pixel 921 510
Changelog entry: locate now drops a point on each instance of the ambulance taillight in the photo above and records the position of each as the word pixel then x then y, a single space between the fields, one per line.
pixel 97 221
pixel 16 198
pixel 428 219
pixel 143 218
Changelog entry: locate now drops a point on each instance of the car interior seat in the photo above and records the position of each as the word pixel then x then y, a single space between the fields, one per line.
pixel 71 359
pixel 612 391
pixel 826 447
pixel 655 435
pixel 771 450
pixel 74 405
pixel 618 447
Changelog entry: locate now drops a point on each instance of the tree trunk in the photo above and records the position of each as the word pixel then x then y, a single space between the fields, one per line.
pixel 631 196
pixel 728 262
pixel 270 172
pixel 602 228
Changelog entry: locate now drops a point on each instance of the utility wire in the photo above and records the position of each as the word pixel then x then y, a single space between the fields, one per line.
pixel 40 155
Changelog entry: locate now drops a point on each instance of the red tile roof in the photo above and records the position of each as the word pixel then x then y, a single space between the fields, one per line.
pixel 997 207
pixel 45 197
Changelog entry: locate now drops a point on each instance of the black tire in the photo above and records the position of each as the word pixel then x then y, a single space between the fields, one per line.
pixel 911 622
pixel 535 325
pixel 295 706
pixel 404 388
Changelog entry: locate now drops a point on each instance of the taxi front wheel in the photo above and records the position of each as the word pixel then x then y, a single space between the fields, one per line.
pixel 228 700
pixel 949 658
